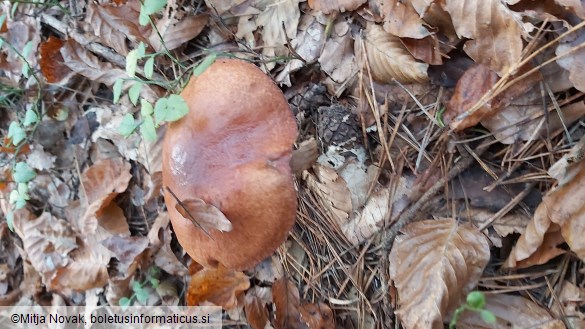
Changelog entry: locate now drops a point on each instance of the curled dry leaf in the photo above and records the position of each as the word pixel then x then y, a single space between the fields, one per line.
pixel 434 264
pixel 51 62
pixel 575 61
pixel 104 180
pixel 329 6
pixel 204 215
pixel 337 58
pixel 287 303
pixel 402 20
pixel 495 31
pixel 113 24
pixel 388 59
pixel 255 308
pixel 219 286
pixel 318 316
pixel 175 32
pixel 332 190
pixel 511 312
pixel 563 207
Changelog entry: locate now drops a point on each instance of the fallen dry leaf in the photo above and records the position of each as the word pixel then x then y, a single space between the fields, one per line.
pixel 317 316
pixel 51 62
pixel 402 20
pixel 204 215
pixel 219 286
pixel 562 207
pixel 255 308
pixel 570 298
pixel 511 312
pixel 337 58
pixel 575 61
pixel 332 190
pixel 175 32
pixel 287 303
pixel 114 24
pixel 389 59
pixel 104 180
pixel 434 264
pixel 494 30
pixel 329 6
pixel 426 49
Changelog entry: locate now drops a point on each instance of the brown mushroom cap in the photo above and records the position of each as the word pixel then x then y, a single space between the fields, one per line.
pixel 232 151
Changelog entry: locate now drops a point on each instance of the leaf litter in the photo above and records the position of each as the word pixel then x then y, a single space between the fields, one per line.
pixel 455 163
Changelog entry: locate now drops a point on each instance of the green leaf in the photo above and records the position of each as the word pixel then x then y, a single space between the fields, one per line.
pixel 134 92
pixel 27 49
pixel 142 296
pixel 160 110
pixel 145 107
pixel 127 126
pixel 30 118
pixel 199 69
pixel 143 19
pixel 176 108
pixel 23 191
pixel 476 300
pixel 20 203
pixel 154 282
pixel 22 173
pixel 25 70
pixel 147 128
pixel 131 63
pixel 124 302
pixel 149 68
pixel 487 316
pixel 141 50
pixel 136 286
pixel 13 196
pixel 16 133
pixel 10 219
pixel 118 90
pixel 152 6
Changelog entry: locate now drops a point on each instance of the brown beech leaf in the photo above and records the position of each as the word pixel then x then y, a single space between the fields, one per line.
pixel 287 303
pixel 219 286
pixel 575 61
pixel 80 61
pixel 333 190
pixel 204 215
pixel 563 207
pixel 472 86
pixel 426 49
pixel 318 316
pixel 113 24
pixel 511 312
pixel 434 264
pixel 329 6
pixel 175 32
pixel 255 308
pixel 51 62
pixel 104 180
pixel 389 59
pixel 495 31
pixel 402 20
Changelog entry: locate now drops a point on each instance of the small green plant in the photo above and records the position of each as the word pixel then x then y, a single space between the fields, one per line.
pixel 19 132
pixel 139 289
pixel 166 109
pixel 475 303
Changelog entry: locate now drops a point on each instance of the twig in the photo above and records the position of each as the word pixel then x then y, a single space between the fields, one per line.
pixel 410 213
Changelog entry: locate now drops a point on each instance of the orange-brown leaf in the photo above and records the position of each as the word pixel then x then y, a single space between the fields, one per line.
pixel 318 316
pixel 104 180
pixel 402 20
pixel 433 266
pixel 51 61
pixel 256 311
pixel 287 302
pixel 472 86
pixel 563 207
pixel 219 286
